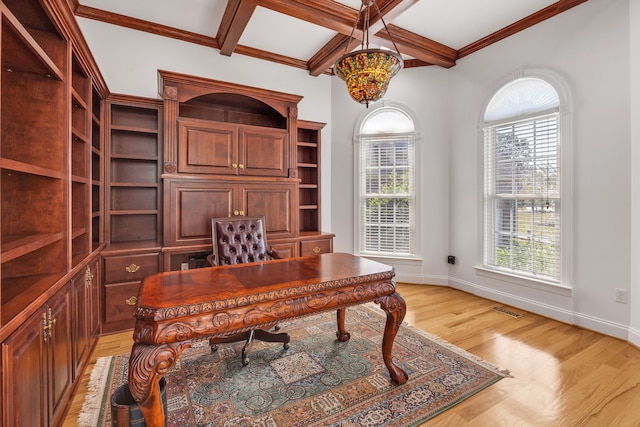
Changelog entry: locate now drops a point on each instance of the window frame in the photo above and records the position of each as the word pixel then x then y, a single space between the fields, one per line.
pixel 565 193
pixel 359 139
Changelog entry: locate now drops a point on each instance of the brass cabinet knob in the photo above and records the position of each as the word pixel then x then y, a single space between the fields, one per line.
pixel 316 249
pixel 132 301
pixel 241 166
pixel 132 268
pixel 236 213
pixel 234 165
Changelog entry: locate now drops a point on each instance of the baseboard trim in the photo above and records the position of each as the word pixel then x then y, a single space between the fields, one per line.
pixel 596 324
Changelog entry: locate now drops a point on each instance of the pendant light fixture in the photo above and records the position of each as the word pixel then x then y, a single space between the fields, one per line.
pixel 367 72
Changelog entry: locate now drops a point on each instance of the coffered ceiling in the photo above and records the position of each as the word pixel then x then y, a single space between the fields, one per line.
pixel 313 34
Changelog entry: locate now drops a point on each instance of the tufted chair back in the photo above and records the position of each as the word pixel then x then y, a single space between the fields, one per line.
pixel 238 240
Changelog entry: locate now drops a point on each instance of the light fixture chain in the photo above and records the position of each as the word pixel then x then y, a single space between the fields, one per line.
pixel 385 27
pixel 346 47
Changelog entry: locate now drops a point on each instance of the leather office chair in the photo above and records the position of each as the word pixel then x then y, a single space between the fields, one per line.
pixel 239 240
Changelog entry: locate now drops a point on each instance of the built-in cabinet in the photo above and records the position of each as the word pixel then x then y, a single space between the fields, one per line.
pixel 308 164
pixel 100 190
pixel 232 150
pixel 133 205
pixel 51 209
pixel 39 361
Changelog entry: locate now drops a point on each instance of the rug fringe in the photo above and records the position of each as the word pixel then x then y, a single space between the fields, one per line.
pixel 90 412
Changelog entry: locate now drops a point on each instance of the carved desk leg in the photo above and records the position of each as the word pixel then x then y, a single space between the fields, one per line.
pixel 342 333
pixel 147 365
pixel 395 308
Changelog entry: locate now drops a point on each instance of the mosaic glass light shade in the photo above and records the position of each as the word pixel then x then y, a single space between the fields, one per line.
pixel 367 73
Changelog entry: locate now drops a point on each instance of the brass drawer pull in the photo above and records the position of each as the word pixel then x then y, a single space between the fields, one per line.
pixel 317 249
pixel 132 268
pixel 131 301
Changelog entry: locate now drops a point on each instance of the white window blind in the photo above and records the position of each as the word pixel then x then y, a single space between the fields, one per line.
pixel 522 196
pixel 387 201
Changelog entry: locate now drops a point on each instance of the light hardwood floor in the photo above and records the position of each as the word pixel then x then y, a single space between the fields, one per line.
pixel 561 375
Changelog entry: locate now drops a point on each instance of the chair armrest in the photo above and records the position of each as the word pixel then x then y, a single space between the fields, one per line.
pixel 273 253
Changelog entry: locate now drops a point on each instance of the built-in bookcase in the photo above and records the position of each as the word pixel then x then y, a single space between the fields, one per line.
pixel 33 159
pixel 134 174
pixel 308 162
pixel 50 209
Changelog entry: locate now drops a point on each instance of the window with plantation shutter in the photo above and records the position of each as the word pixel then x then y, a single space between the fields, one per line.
pixel 522 198
pixel 385 176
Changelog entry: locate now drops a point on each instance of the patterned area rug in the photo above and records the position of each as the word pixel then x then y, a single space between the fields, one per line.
pixel 318 381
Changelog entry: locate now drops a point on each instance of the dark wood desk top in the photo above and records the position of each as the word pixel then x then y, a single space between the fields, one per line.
pixel 182 293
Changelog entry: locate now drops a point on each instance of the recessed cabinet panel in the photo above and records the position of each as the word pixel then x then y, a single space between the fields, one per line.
pixel 191 206
pixel 204 205
pixel 134 228
pixel 205 147
pixel 264 152
pixel 275 201
pixel 231 149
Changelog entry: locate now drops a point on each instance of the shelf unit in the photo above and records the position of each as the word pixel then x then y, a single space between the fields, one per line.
pixel 97 172
pixel 81 144
pixel 33 157
pixel 308 163
pixel 50 209
pixel 133 202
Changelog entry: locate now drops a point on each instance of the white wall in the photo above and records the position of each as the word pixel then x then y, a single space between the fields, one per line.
pixel 634 52
pixel 588 47
pixel 424 91
pixel 129 61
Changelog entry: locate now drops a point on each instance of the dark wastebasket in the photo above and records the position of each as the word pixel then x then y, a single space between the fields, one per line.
pixel 125 411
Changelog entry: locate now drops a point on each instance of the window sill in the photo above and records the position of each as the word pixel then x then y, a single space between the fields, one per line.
pixel 381 258
pixel 543 285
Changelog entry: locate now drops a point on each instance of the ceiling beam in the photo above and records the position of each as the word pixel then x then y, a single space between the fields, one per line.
pixel 234 21
pixel 531 20
pixel 146 26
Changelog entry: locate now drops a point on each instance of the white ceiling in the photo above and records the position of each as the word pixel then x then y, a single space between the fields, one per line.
pixel 454 23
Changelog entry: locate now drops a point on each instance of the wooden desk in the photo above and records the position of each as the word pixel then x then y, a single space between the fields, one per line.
pixel 177 308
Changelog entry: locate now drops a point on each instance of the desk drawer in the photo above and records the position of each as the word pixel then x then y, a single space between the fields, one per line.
pixel 316 247
pixel 127 268
pixel 120 301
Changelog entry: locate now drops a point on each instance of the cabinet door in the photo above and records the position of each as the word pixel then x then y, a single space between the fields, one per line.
pixel 189 207
pixel 86 316
pixel 60 354
pixel 207 147
pixel 80 335
pixel 25 377
pixel 276 201
pixel 263 152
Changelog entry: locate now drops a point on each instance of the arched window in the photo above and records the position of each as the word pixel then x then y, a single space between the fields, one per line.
pixel 385 176
pixel 523 198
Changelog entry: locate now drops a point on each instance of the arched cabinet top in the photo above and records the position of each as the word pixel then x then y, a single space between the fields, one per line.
pixel 186 88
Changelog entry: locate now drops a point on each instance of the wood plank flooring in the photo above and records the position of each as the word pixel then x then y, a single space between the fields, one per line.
pixel 562 375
